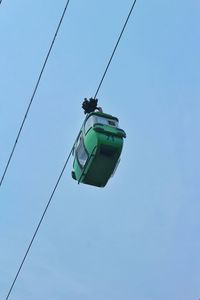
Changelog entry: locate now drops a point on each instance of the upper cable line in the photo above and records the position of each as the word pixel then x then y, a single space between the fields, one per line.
pixel 33 95
pixel 114 50
pixel 64 167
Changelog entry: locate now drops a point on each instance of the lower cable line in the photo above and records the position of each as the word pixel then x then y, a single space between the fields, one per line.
pixel 39 224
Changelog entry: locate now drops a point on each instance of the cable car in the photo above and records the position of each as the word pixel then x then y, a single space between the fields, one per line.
pixel 97 149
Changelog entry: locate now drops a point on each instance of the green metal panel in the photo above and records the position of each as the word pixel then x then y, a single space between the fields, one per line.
pixel 104 159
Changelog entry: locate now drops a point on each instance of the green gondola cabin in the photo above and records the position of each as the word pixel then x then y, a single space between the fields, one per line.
pixel 97 149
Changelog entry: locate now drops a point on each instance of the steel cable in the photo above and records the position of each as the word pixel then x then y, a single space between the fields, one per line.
pixel 114 50
pixel 38 226
pixel 33 95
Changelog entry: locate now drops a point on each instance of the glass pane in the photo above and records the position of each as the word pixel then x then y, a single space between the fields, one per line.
pixel 81 153
pixel 106 121
pixel 89 123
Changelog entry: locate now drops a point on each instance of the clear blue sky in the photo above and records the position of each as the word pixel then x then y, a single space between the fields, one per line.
pixel 138 238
